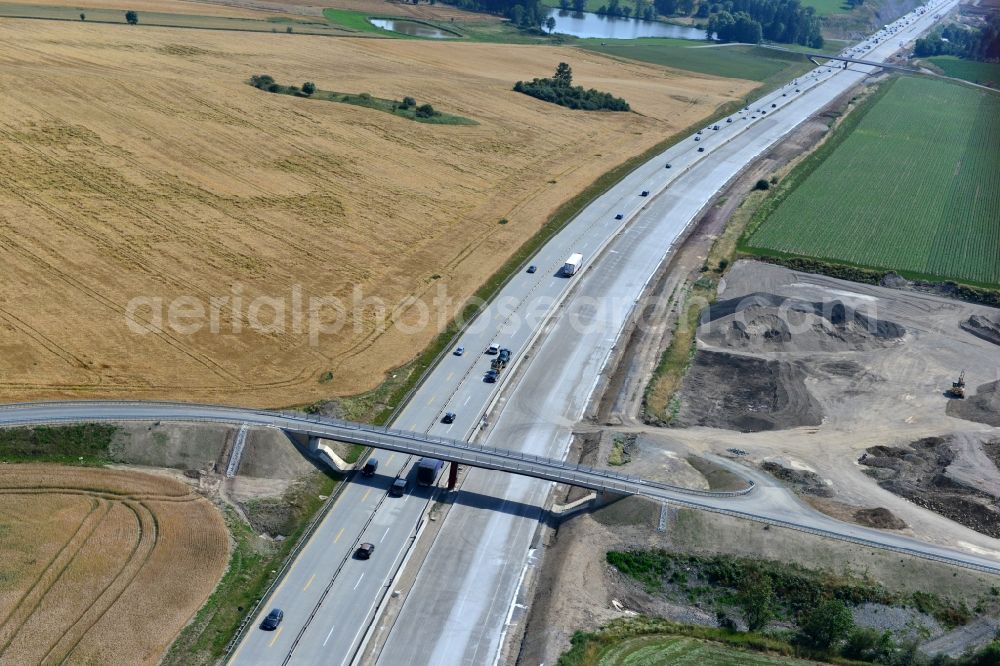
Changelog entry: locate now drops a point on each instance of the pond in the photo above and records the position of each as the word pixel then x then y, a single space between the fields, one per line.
pixel 587 24
pixel 412 28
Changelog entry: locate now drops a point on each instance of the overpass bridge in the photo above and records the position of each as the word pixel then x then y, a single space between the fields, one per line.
pixel 765 504
pixel 816 59
pixel 378 437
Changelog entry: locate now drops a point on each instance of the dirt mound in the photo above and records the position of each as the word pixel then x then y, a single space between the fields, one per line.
pixel 920 474
pixel 880 518
pixel 763 322
pixel 983 327
pixel 746 394
pixel 983 407
pixel 801 480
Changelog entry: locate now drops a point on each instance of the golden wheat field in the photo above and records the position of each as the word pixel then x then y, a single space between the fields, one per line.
pixel 144 178
pixel 101 566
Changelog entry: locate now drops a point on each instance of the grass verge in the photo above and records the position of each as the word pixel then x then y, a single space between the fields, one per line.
pixel 253 565
pixel 617 641
pixel 78 444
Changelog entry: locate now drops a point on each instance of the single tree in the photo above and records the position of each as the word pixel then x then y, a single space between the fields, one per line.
pixel 132 17
pixel 409 102
pixel 308 88
pixel 550 24
pixel 288 30
pixel 762 184
pixel 579 5
pixel 827 624
pixel 425 111
pixel 564 75
pixel 756 599
pixel 564 4
pixel 83 17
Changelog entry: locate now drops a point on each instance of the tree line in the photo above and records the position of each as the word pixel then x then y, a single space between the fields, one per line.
pixel 560 90
pixel 752 21
pixel 981 43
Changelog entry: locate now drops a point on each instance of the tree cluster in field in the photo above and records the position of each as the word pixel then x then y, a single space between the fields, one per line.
pixel 981 43
pixel 131 17
pixel 752 21
pixel 818 604
pixel 267 83
pixel 560 90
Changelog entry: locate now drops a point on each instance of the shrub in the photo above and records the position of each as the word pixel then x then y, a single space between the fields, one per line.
pixel 83 17
pixel 262 81
pixel 132 17
pixel 826 625
pixel 409 102
pixel 762 184
pixel 308 88
pixel 425 111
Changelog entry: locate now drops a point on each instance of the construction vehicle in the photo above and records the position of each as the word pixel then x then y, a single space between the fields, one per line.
pixel 957 389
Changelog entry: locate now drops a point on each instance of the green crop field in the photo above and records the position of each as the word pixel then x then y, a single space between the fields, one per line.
pixel 911 186
pixel 983 73
pixel 663 650
pixel 827 7
pixel 736 61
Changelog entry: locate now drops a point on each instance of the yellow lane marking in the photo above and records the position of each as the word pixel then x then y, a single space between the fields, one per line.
pixel 390 458
pixel 366 495
pixel 309 583
pixel 339 534
pixel 276 634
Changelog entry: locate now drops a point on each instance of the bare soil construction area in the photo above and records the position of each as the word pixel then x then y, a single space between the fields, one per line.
pixel 101 566
pixel 145 168
pixel 836 371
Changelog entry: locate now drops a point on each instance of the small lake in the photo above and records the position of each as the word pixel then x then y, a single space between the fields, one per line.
pixel 412 28
pixel 587 24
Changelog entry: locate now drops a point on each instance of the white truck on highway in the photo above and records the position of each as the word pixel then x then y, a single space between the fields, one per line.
pixel 572 264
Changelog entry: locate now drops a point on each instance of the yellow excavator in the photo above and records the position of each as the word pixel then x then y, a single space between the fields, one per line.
pixel 957 389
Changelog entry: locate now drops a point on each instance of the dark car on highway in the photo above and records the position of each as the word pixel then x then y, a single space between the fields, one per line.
pixel 645 193
pixel 397 488
pixel 532 268
pixel 371 466
pixel 273 619
pixel 364 551
pixel 491 377
pixel 449 417
pixel 619 216
pixel 700 149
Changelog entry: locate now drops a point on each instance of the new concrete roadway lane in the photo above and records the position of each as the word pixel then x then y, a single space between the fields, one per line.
pixel 457 609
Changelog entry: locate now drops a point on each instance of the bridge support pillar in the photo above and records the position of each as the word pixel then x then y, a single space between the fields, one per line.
pixel 452 475
pixel 313 445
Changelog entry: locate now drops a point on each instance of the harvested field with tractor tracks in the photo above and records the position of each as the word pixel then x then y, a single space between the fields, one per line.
pixel 146 168
pixel 101 566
